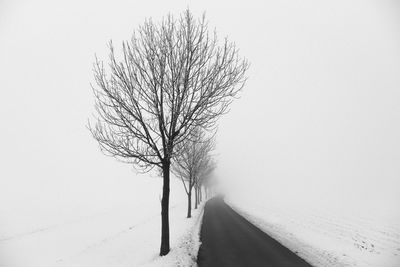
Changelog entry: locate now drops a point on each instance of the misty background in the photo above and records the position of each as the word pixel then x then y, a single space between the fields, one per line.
pixel 317 122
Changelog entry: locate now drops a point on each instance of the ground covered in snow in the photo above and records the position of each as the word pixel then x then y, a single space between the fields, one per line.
pixel 327 238
pixel 112 224
pixel 185 245
pixel 137 244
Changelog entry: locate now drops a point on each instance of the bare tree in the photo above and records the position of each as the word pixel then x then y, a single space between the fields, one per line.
pixel 206 167
pixel 172 76
pixel 207 176
pixel 189 164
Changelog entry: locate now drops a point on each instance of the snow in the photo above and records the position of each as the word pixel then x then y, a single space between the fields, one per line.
pixel 117 223
pixel 138 244
pixel 327 237
pixel 184 252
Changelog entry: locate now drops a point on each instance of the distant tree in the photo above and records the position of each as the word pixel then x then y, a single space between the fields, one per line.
pixel 172 77
pixel 207 178
pixel 190 163
pixel 206 168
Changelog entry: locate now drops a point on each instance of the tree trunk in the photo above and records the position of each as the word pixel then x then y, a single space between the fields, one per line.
pixel 196 197
pixel 189 211
pixel 165 210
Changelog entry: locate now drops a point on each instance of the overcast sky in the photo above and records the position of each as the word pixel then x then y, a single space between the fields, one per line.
pixel 318 118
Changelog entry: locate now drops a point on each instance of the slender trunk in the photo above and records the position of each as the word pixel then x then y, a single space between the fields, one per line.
pixel 196 197
pixel 189 210
pixel 165 211
pixel 201 194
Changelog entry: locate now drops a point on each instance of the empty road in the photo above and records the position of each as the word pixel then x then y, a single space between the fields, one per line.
pixel 230 240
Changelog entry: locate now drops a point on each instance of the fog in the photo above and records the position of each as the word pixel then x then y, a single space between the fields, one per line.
pixel 317 122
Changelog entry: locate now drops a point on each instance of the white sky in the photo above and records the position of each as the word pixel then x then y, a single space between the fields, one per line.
pixel 318 118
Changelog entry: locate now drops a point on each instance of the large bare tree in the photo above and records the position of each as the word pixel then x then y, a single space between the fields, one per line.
pixel 171 77
pixel 192 162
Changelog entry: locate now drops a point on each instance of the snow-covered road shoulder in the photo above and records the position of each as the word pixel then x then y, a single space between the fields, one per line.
pixel 138 245
pixel 185 249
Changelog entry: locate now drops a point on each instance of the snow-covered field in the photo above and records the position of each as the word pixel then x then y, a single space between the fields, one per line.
pixel 117 227
pixel 328 237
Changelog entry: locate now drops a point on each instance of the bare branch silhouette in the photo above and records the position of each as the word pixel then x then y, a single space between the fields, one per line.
pixel 192 162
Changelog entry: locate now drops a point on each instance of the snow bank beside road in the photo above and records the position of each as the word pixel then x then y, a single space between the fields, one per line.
pixel 117 223
pixel 184 252
pixel 138 245
pixel 326 239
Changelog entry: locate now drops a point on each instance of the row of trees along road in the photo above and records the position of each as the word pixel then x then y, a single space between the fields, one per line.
pixel 170 78
pixel 194 165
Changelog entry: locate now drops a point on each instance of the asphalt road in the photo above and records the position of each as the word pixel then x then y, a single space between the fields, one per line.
pixel 230 240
